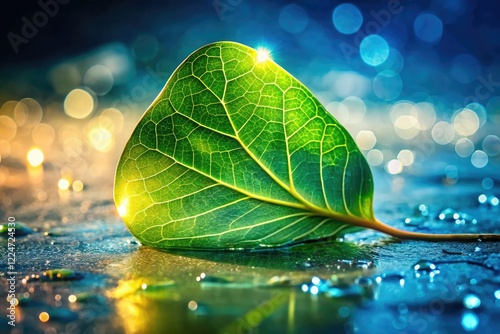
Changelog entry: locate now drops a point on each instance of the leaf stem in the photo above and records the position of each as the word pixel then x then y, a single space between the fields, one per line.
pixel 402 234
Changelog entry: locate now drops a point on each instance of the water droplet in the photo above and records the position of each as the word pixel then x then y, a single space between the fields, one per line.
pixel 497 294
pixel 473 281
pixel 421 210
pixel 487 183
pixel 471 301
pixel 54 275
pixel 414 221
pixel 470 320
pixel 477 249
pixel 493 201
pixel 482 199
pixel 424 265
pixel 448 215
pixel 459 218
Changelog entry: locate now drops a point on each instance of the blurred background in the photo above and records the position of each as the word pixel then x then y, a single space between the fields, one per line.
pixel 417 83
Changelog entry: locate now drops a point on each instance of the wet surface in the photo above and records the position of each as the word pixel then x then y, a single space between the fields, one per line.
pixel 80 270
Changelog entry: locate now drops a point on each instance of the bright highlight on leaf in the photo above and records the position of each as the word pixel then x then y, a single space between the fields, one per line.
pixel 235 153
pixel 263 54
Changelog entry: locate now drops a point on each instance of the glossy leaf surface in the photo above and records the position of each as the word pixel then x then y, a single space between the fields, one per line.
pixel 237 153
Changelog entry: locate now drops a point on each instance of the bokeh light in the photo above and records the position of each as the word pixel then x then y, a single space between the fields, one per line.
pixel 428 27
pixel 77 185
pixel 8 128
pixel 356 109
pixel 28 113
pixel 443 133
pixel 293 18
pixel 407 127
pixel 425 114
pixel 101 139
pixel 111 119
pixel 63 184
pixel 78 104
pixel 99 79
pixel 387 85
pixel 479 159
pixel 43 135
pixel 44 317
pixel 347 18
pixel 480 111
pixel 464 147
pixel 466 122
pixel 375 157
pixel 394 167
pixel 366 140
pixel 406 157
pixel 374 50
pixel 491 145
pixel 35 157
pixel 394 62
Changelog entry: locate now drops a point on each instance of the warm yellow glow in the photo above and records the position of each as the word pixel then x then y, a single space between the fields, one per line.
pixel 263 55
pixel 43 134
pixel 101 139
pixel 77 185
pixel 111 119
pixel 8 128
pixel 35 157
pixel 63 184
pixel 44 317
pixel 72 298
pixel 132 307
pixel 122 209
pixel 78 103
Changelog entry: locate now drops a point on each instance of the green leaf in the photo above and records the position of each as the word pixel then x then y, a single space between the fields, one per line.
pixel 237 153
